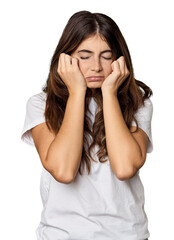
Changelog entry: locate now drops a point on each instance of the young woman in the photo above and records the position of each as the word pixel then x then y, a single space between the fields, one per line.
pixel 91 126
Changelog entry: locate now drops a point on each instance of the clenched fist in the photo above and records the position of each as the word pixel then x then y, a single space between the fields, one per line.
pixel 68 70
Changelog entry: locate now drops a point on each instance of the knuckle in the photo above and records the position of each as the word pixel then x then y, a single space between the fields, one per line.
pixel 60 70
pixel 127 73
pixel 60 56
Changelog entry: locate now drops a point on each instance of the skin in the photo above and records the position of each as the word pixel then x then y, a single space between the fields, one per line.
pixel 61 154
pixel 93 57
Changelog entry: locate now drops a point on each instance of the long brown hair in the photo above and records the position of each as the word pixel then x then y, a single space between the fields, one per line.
pixel 131 94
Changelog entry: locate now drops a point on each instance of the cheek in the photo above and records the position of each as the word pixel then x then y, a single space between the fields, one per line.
pixel 83 67
pixel 108 69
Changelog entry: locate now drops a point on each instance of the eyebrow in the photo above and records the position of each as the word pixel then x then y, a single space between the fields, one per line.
pixel 88 51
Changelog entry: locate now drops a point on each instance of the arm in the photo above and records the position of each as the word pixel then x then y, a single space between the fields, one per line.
pixel 126 151
pixel 61 154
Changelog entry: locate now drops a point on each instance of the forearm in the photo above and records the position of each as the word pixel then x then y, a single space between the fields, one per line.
pixel 123 151
pixel 64 154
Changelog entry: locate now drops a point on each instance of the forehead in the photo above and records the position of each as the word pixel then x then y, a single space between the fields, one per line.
pixel 95 42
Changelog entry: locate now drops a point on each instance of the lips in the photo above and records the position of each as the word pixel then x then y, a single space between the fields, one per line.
pixel 95 78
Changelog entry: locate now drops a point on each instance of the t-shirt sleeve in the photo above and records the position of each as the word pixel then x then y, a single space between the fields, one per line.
pixel 144 118
pixel 35 108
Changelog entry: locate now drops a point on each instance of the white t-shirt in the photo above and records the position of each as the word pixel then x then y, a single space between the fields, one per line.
pixel 97 206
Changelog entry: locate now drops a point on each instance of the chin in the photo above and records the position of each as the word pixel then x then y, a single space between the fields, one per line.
pixel 94 84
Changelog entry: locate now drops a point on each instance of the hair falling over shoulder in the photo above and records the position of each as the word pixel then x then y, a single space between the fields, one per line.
pixel 131 94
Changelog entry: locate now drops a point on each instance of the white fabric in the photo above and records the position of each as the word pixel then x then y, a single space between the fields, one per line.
pixel 97 206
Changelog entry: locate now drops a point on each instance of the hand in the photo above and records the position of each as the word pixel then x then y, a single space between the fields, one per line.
pixel 117 77
pixel 70 73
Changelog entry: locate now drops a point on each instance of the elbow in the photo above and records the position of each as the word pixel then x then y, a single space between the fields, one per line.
pixel 63 177
pixel 125 172
pixel 125 175
pixel 66 179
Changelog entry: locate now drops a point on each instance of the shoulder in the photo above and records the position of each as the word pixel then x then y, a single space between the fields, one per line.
pixel 145 111
pixel 147 104
pixel 35 109
pixel 39 97
pixel 37 100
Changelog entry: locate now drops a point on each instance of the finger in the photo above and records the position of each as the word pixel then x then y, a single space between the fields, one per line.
pixel 126 71
pixel 61 63
pixel 116 68
pixel 74 61
pixel 122 64
pixel 75 64
pixel 67 61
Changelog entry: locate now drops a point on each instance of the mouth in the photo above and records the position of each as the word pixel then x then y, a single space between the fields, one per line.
pixel 95 78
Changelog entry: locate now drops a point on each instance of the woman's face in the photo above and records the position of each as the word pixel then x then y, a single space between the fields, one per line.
pixel 95 59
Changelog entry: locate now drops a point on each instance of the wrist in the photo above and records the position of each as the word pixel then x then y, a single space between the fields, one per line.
pixel 79 93
pixel 109 91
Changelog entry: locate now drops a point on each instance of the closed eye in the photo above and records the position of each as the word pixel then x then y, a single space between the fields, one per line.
pixel 84 57
pixel 107 58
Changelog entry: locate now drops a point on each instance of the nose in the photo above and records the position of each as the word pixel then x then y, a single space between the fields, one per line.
pixel 96 65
